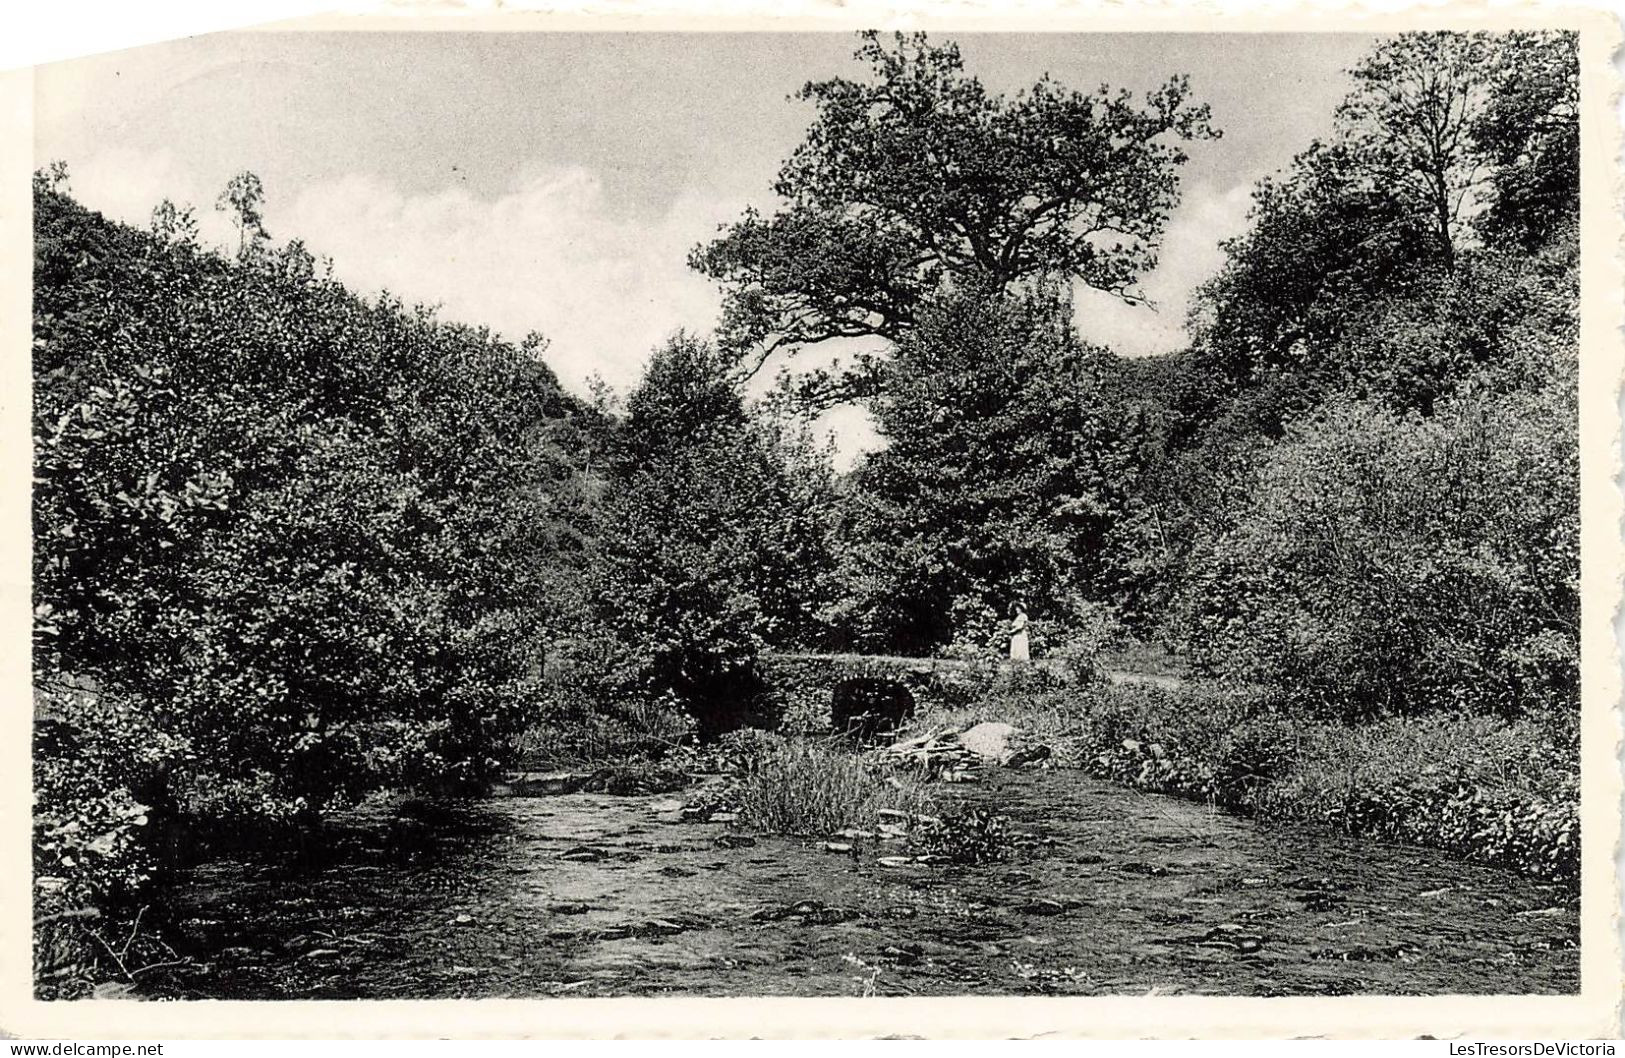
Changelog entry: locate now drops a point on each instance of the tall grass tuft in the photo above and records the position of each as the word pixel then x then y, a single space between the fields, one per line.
pixel 809 790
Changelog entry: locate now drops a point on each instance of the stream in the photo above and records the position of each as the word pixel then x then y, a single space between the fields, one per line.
pixel 588 894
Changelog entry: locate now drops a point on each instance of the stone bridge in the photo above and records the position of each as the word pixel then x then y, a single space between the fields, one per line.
pixel 868 692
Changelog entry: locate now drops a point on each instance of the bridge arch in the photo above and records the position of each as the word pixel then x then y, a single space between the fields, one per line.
pixel 820 693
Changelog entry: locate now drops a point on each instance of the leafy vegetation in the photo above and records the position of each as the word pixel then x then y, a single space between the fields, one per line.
pixel 293 546
pixel 1387 563
pixel 302 546
pixel 1483 788
pixel 1379 506
pixel 1004 480
pixel 711 545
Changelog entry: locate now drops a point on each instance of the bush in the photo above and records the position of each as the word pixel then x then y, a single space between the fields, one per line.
pixel 1389 563
pixel 807 790
pixel 1088 633
pixel 582 722
pixel 314 538
pixel 1483 788
pixel 93 753
pixel 970 836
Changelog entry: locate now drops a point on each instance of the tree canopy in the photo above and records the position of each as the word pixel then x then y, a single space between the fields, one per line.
pixel 1372 433
pixel 1529 133
pixel 1454 165
pixel 711 544
pixel 1006 476
pixel 1410 121
pixel 921 175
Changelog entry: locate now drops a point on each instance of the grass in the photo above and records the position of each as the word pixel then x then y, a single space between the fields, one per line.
pixel 806 789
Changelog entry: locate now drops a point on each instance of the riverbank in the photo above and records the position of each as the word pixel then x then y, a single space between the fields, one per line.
pixel 1483 789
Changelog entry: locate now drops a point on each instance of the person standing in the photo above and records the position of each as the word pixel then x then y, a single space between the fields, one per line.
pixel 1019 650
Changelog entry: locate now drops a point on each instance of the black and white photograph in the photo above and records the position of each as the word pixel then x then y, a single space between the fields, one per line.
pixel 861 513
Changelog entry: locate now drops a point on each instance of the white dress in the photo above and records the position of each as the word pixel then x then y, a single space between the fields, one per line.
pixel 1018 638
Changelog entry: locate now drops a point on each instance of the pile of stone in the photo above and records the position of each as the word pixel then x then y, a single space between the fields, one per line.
pixel 952 755
pixel 955 755
pixel 894 825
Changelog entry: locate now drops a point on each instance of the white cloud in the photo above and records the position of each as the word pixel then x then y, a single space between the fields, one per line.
pixel 550 256
pixel 1190 254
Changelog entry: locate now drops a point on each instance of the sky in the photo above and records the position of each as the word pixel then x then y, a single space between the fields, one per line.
pixel 555 182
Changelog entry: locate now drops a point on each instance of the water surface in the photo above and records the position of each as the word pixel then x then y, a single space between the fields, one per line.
pixel 588 894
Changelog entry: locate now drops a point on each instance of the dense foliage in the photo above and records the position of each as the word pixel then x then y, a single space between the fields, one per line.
pixel 1357 489
pixel 292 546
pixel 1379 502
pixel 1005 479
pixel 1385 562
pixel 711 545
pixel 300 545
pixel 312 534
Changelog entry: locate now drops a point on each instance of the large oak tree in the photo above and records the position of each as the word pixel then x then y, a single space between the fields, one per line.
pixel 921 175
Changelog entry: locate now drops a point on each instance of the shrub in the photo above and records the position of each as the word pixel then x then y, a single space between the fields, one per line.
pixel 313 537
pixel 969 836
pixel 1392 563
pixel 808 790
pixel 1080 642
pixel 1483 788
pixel 585 723
pixel 93 753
